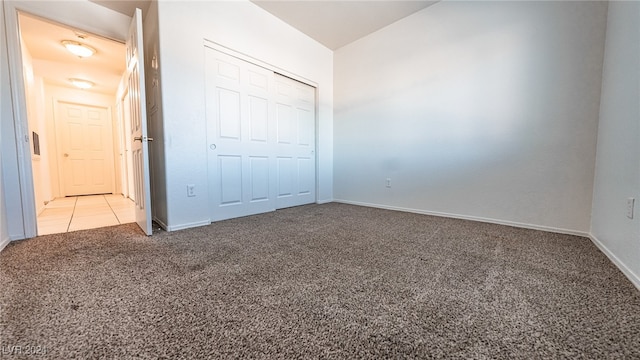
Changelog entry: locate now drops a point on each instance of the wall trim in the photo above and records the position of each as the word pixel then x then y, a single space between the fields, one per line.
pixel 187 225
pixel 472 218
pixel 162 224
pixel 325 201
pixel 248 58
pixel 634 278
pixel 15 237
pixel 4 242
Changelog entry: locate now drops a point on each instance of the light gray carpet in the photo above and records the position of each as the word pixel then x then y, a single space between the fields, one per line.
pixel 318 281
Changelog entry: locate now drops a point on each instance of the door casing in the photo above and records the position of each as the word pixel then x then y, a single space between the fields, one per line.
pixel 87 16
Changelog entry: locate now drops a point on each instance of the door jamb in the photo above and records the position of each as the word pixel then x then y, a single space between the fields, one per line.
pixel 103 26
pixel 18 94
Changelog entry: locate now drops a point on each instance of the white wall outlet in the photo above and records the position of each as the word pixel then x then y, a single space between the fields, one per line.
pixel 630 205
pixel 191 190
pixel 387 182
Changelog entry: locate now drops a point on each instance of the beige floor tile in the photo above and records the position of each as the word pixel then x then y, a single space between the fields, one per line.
pixel 57 210
pixel 85 212
pixel 61 204
pixel 92 222
pixel 125 216
pixel 91 211
pixel 120 201
pixel 62 223
pixel 91 200
pixel 48 214
pixel 52 229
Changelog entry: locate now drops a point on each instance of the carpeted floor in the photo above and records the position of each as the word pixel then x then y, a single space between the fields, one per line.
pixel 318 281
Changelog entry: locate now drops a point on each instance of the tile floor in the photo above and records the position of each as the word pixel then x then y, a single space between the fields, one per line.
pixel 85 212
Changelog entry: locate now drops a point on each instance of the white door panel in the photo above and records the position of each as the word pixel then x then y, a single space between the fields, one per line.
pixel 285 178
pixel 259 177
pixel 138 116
pixel 239 133
pixel 296 143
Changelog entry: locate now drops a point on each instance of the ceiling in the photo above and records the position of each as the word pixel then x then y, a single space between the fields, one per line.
pixel 330 22
pixel 338 23
pixel 126 7
pixel 333 23
pixel 56 65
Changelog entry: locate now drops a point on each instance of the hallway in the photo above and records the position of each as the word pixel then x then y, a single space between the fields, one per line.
pixel 85 212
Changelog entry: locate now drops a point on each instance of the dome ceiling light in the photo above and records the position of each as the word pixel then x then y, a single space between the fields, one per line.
pixel 82 84
pixel 78 49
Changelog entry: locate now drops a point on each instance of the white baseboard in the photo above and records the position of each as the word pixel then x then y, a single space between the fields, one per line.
pixel 162 224
pixel 634 278
pixel 4 242
pixel 472 218
pixel 187 225
pixel 325 201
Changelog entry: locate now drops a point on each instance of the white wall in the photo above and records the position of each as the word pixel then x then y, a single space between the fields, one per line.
pixel 12 216
pixel 618 157
pixel 5 113
pixel 248 29
pixel 42 176
pixel 34 88
pixel 483 110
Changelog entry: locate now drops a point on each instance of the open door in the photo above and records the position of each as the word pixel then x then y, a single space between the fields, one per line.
pixel 138 115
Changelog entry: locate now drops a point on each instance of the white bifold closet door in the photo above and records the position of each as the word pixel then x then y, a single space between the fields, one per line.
pixel 296 161
pixel 261 137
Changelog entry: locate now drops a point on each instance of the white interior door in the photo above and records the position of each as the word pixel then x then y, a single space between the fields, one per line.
pixel 86 149
pixel 261 134
pixel 241 134
pixel 138 118
pixel 296 160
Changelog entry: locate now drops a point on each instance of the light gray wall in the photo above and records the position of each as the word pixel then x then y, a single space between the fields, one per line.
pixel 481 110
pixel 245 28
pixel 618 157
pixel 5 113
pixel 12 215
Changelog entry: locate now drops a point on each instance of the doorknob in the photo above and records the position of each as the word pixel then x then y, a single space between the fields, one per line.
pixel 66 155
pixel 212 146
pixel 139 138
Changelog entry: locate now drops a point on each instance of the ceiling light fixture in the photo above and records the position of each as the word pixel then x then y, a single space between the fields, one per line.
pixel 78 49
pixel 82 84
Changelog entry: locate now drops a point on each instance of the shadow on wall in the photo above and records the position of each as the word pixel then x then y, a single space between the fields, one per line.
pixel 468 104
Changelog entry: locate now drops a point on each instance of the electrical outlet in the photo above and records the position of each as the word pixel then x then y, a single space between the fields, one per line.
pixel 191 190
pixel 630 206
pixel 387 183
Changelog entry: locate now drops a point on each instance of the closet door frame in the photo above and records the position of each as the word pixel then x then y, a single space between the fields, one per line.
pixel 277 71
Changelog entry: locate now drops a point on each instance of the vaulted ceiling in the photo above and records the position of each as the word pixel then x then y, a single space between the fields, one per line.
pixel 330 22
pixel 338 23
pixel 333 23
